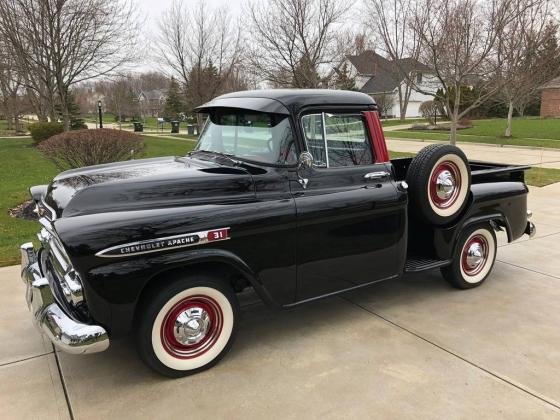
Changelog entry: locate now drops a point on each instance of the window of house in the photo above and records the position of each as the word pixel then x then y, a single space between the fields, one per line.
pixel 337 140
pixel 418 78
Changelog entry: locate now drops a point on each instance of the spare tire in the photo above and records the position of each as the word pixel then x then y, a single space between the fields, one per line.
pixel 439 180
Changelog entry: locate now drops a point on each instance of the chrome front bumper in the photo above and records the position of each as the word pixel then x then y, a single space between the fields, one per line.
pixel 67 334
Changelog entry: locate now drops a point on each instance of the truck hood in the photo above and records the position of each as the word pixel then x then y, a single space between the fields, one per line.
pixel 147 184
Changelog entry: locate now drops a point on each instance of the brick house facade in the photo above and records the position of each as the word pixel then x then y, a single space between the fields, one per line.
pixel 550 98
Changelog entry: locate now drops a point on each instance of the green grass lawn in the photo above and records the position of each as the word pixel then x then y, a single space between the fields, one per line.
pixel 534 132
pixel 530 127
pixel 5 132
pixel 391 123
pixel 398 155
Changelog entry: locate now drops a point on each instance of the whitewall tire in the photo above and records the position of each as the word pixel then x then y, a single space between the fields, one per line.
pixel 188 326
pixel 439 180
pixel 473 259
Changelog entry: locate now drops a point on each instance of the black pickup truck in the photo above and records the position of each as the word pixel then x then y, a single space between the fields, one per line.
pixel 289 192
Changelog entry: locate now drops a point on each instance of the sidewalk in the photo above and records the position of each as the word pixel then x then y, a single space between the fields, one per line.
pixel 546 158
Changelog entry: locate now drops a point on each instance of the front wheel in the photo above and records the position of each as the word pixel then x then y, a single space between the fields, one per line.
pixel 473 258
pixel 188 326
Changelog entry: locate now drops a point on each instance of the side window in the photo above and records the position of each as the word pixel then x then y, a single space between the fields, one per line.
pixel 337 140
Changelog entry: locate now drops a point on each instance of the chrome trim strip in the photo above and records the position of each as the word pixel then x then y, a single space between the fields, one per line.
pixel 42 203
pixel 165 243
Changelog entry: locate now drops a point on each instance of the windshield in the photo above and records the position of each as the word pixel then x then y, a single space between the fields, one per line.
pixel 250 135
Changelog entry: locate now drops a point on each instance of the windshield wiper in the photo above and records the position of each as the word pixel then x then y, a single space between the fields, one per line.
pixel 226 156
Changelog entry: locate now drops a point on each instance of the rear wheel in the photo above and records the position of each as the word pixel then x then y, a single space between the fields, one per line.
pixel 473 258
pixel 188 326
pixel 439 180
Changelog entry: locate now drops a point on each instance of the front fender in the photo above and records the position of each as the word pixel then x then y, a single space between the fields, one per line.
pixel 114 289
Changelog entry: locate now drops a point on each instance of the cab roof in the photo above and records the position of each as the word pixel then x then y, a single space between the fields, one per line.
pixel 286 101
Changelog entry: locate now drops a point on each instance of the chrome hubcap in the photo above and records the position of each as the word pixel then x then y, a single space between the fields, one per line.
pixel 445 185
pixel 191 326
pixel 475 255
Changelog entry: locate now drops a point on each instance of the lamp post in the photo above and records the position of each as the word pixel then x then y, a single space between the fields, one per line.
pixel 100 115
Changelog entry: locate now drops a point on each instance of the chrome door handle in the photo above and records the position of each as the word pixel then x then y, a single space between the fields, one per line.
pixel 377 175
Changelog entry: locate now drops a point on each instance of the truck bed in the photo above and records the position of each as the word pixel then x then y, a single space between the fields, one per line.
pixel 481 172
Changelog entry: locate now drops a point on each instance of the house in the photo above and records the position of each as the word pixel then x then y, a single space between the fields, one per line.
pixel 152 102
pixel 550 98
pixel 380 78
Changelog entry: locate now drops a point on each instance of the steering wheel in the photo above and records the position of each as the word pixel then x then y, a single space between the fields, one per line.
pixel 270 145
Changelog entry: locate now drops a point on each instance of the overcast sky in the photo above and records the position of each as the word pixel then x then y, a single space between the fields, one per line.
pixel 152 10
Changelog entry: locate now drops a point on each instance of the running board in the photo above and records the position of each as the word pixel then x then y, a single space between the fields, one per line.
pixel 416 264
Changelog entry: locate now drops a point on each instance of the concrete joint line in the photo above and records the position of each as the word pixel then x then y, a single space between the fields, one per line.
pixel 63 382
pixel 528 269
pixel 549 401
pixel 531 239
pixel 13 362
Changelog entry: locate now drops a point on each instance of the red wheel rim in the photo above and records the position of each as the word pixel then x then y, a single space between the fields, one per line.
pixel 445 184
pixel 474 255
pixel 191 327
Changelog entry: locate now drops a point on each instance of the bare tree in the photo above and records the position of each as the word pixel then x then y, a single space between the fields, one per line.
pixel 59 43
pixel 120 98
pixel 385 103
pixel 398 40
pixel 202 47
pixel 294 41
pixel 519 69
pixel 458 42
pixel 541 64
pixel 10 90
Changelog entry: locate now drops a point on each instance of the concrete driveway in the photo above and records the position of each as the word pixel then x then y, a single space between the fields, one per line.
pixel 413 348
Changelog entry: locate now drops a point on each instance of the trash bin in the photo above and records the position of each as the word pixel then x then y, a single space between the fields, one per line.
pixel 138 127
pixel 190 130
pixel 174 127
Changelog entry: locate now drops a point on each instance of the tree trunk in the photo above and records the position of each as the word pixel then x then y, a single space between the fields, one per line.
pixel 453 131
pixel 509 120
pixel 455 116
pixel 199 123
pixel 65 110
pixel 402 107
pixel 17 124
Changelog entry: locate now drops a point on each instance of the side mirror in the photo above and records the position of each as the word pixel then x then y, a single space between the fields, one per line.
pixel 305 160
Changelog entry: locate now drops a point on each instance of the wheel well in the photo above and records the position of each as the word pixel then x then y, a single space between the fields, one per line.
pixel 222 271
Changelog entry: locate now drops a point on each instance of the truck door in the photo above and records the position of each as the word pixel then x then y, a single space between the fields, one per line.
pixel 351 218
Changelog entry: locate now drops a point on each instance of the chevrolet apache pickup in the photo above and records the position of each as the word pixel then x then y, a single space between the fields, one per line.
pixel 289 192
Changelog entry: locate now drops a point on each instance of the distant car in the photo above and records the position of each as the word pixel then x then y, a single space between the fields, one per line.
pixel 290 192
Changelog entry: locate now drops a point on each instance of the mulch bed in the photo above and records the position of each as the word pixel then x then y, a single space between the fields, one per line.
pixel 24 210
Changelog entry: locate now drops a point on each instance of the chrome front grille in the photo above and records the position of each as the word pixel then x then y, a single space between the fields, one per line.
pixel 57 268
pixel 45 211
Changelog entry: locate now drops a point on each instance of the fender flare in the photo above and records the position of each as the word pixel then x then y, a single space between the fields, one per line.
pixel 447 242
pixel 219 256
pixel 494 217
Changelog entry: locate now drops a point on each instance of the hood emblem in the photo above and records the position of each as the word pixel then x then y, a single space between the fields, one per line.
pixel 165 243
